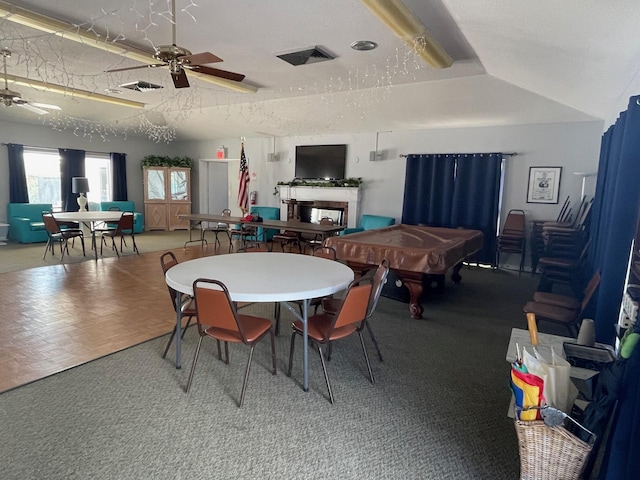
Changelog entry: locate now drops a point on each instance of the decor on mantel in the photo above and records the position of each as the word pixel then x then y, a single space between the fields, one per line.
pixel 164 161
pixel 345 182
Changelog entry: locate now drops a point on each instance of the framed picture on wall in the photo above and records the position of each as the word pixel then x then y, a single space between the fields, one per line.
pixel 544 184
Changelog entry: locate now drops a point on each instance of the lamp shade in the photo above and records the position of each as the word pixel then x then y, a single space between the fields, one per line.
pixel 79 185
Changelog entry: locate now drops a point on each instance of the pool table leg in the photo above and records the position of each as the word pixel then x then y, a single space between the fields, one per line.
pixel 415 287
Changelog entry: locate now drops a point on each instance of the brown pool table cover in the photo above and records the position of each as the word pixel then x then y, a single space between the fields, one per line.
pixel 431 250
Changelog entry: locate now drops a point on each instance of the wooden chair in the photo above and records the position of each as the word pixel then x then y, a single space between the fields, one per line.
pixel 124 227
pixel 379 278
pixel 567 317
pixel 60 235
pixel 218 319
pixel 188 308
pixel 324 328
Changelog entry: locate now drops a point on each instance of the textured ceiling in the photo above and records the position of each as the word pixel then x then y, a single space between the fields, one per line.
pixel 515 62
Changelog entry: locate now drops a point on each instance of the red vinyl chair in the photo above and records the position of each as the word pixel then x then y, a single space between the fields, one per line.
pixel 218 319
pixel 188 309
pixel 324 328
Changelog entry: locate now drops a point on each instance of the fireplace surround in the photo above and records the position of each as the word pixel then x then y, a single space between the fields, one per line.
pixel 342 202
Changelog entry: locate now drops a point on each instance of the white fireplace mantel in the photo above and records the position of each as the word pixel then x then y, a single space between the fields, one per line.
pixel 351 195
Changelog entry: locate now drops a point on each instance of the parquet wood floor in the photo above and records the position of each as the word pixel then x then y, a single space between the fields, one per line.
pixel 57 317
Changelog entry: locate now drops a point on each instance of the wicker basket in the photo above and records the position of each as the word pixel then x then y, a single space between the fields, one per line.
pixel 550 453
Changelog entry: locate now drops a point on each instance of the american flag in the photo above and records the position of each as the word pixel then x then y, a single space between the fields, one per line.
pixel 243 186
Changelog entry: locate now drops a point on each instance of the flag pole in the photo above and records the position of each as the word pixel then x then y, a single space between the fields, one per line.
pixel 243 177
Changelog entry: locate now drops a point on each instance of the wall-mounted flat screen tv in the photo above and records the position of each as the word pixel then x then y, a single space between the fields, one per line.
pixel 321 161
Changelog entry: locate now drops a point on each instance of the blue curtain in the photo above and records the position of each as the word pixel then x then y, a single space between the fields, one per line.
pixel 18 192
pixel 476 197
pixel 119 174
pixel 71 165
pixel 613 226
pixel 428 190
pixel 455 190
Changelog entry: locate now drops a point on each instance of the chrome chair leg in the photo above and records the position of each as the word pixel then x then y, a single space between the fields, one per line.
pixel 326 377
pixel 374 341
pixel 246 376
pixel 193 366
pixel 366 357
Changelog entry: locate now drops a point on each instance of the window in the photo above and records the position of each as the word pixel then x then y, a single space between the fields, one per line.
pixel 97 168
pixel 42 169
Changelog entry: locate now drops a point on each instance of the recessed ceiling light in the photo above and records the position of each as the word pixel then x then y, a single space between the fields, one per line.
pixel 363 45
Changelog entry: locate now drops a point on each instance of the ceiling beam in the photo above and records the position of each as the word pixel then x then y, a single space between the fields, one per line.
pixel 74 33
pixel 73 92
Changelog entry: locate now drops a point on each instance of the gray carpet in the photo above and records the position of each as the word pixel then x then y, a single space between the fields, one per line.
pixel 437 409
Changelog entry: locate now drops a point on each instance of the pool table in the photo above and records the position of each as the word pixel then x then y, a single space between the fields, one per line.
pixel 412 252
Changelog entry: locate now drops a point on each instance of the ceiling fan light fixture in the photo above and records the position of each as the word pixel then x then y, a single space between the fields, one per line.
pixel 395 15
pixel 364 45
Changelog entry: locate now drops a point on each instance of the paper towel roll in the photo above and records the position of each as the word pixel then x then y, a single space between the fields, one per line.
pixel 587 334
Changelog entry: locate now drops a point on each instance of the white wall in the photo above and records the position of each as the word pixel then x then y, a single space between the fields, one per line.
pixel 572 146
pixel 40 136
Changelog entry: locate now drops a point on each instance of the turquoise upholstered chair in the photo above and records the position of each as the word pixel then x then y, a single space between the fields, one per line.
pixel 25 222
pixel 268 213
pixel 369 222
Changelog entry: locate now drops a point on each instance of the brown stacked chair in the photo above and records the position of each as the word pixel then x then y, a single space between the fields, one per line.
pixel 324 329
pixel 124 227
pixel 566 270
pixel 330 305
pixel 536 243
pixel 218 319
pixel 59 235
pixel 512 239
pixel 559 309
pixel 187 305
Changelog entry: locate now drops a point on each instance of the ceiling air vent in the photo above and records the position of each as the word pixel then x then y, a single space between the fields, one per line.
pixel 140 86
pixel 304 57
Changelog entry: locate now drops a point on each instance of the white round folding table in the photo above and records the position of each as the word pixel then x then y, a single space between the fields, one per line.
pixel 264 277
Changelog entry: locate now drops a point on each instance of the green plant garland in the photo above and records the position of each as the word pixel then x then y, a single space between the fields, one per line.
pixel 165 161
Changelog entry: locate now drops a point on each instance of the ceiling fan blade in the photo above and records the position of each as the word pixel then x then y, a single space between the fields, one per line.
pixel 199 58
pixel 31 108
pixel 236 77
pixel 180 79
pixel 45 105
pixel 136 68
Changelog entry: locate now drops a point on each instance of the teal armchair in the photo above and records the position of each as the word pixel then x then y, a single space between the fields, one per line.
pixel 268 213
pixel 126 206
pixel 369 222
pixel 25 222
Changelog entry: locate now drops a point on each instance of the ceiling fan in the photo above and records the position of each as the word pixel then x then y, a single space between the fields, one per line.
pixel 14 98
pixel 179 59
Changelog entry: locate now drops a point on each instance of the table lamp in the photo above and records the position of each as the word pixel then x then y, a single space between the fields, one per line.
pixel 80 185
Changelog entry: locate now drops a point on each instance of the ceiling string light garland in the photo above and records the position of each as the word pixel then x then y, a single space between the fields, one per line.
pixel 43 57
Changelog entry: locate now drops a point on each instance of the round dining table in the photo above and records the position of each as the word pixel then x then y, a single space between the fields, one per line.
pixel 264 277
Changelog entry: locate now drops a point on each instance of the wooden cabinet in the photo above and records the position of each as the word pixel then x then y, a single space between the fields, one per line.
pixel 167 193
